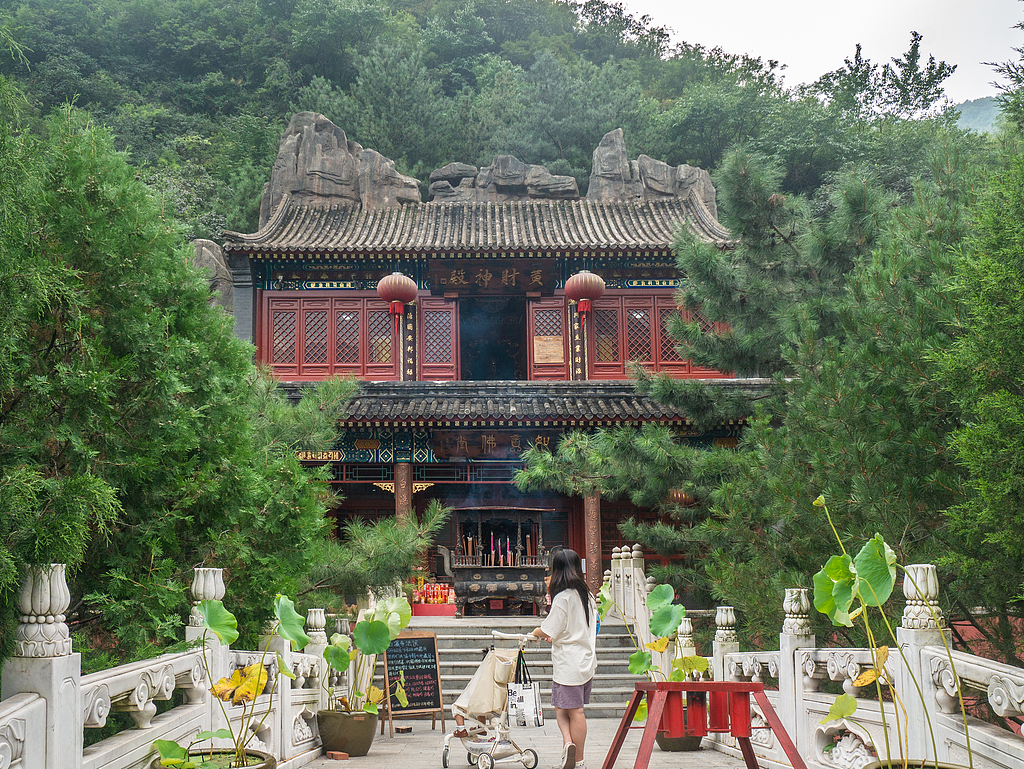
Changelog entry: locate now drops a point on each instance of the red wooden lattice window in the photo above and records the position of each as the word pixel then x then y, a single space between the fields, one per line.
pixel 439 339
pixel 548 339
pixel 635 329
pixel 312 336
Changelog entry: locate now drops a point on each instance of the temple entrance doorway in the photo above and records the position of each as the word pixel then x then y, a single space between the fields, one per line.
pixel 492 332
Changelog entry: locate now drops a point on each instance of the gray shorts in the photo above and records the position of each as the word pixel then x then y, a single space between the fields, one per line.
pixel 570 697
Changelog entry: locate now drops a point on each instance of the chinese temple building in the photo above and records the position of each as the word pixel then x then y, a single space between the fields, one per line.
pixel 483 345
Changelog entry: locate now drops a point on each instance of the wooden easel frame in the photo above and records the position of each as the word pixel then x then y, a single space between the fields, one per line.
pixel 432 712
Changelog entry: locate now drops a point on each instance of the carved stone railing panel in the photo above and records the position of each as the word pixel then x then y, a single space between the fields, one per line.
pixel 243 659
pixel 12 743
pixel 760 733
pixel 304 727
pixel 193 681
pixel 135 687
pixel 814 671
pixel 306 669
pixel 1003 685
pixel 752 666
pixel 849 749
pixel 839 665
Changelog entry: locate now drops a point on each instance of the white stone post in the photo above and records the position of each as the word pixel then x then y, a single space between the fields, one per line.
pixel 641 587
pixel 615 583
pixel 685 646
pixel 316 624
pixel 922 625
pixel 44 662
pixel 726 641
pixel 280 721
pixel 796 635
pixel 628 605
pixel 208 585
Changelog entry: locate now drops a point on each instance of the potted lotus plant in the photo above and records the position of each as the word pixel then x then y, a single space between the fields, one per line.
pixel 666 617
pixel 845 590
pixel 349 722
pixel 243 687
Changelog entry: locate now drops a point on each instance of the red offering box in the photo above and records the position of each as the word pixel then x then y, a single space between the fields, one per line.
pixel 433 610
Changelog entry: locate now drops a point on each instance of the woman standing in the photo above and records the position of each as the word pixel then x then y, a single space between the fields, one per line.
pixel 571 627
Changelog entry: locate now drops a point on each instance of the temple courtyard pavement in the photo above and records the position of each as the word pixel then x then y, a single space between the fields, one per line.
pixel 421 749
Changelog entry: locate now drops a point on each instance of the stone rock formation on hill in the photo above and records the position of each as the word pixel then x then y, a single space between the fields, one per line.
pixel 507 178
pixel 614 176
pixel 318 165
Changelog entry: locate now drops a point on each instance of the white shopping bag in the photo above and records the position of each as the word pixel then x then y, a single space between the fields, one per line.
pixel 524 706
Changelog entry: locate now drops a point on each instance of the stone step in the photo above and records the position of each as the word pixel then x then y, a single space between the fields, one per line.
pixel 462 644
pixel 479 642
pixel 538 672
pixel 476 625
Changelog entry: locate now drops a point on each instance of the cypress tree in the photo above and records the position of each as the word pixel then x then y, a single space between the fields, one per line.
pixel 983 372
pixel 137 440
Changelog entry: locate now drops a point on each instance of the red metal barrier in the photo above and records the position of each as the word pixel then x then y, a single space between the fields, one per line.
pixel 711 707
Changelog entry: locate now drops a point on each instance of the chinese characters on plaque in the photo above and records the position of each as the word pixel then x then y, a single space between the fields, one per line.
pixel 490 444
pixel 509 276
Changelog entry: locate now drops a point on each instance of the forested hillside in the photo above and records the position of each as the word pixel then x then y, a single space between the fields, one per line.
pixel 198 92
pixel 875 275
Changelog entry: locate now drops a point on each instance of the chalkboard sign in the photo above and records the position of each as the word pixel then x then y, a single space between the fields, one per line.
pixel 415 654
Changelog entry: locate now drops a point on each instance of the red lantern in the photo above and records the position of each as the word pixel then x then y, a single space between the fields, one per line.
pixel 398 289
pixel 583 288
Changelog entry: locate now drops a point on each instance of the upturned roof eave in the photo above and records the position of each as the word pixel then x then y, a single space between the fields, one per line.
pixel 528 227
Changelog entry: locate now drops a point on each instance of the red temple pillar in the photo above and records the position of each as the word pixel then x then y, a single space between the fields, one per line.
pixel 592 533
pixel 403 490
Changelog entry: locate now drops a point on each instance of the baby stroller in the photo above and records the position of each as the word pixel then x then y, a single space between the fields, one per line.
pixel 484 703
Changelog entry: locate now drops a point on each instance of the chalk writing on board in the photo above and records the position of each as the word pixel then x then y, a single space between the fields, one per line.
pixel 416 656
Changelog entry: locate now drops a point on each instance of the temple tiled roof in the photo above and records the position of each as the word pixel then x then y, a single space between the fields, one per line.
pixel 511 402
pixel 520 226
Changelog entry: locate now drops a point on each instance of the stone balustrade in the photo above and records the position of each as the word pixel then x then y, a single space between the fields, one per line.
pixel 751 666
pixel 918 659
pixel 135 688
pixel 45 669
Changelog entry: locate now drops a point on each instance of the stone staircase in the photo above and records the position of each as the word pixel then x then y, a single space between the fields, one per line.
pixel 463 643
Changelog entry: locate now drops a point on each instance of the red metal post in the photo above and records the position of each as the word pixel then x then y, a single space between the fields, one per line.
pixel 739 714
pixel 697 713
pixel 718 716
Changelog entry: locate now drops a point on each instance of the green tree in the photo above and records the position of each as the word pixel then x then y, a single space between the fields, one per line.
pixel 1011 92
pixel 785 266
pixel 864 421
pixel 567 109
pixel 606 31
pixel 983 372
pixel 130 417
pixel 909 87
pixel 906 87
pixel 395 106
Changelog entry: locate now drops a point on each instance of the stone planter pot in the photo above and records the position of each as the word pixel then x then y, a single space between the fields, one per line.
pixel 673 734
pixel 350 733
pixel 223 757
pixel 676 744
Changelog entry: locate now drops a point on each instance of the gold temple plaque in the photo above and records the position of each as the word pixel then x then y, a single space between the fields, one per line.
pixel 548 349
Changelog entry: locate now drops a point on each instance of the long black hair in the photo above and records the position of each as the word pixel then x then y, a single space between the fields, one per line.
pixel 567 574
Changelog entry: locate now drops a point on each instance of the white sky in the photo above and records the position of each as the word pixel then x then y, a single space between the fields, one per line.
pixel 813 37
